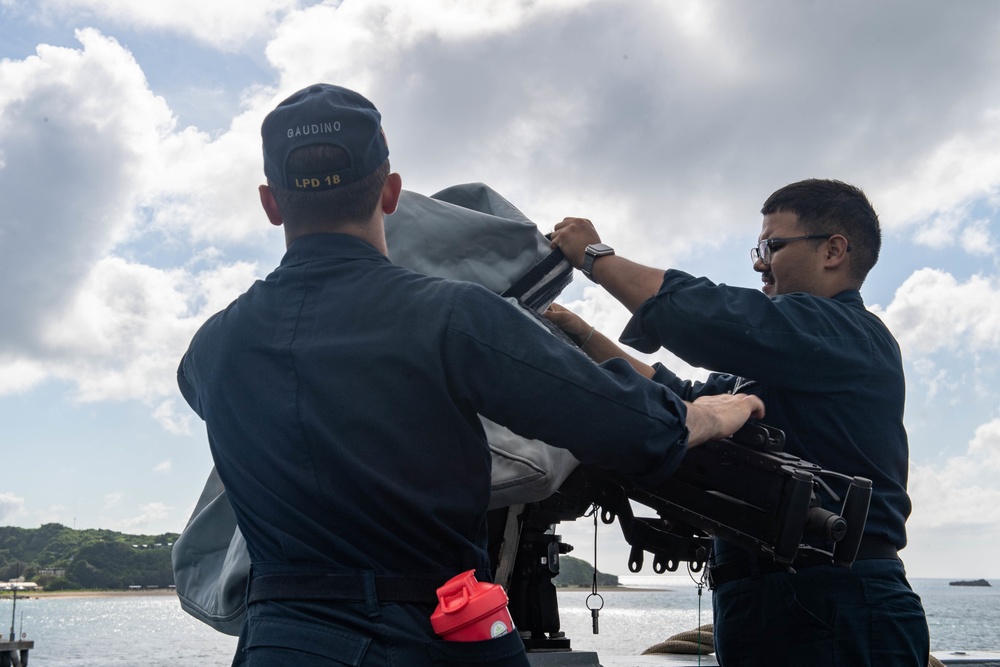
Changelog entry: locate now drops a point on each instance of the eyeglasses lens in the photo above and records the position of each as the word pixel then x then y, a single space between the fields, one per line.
pixel 764 252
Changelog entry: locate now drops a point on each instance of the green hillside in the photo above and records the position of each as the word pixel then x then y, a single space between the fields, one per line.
pixel 576 572
pixel 60 558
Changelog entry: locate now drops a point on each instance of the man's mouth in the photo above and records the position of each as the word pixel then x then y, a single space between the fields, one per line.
pixel 767 278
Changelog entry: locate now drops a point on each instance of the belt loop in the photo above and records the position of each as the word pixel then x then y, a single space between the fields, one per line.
pixel 371 596
pixel 246 589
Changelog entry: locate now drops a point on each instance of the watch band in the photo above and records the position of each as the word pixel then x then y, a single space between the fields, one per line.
pixel 591 253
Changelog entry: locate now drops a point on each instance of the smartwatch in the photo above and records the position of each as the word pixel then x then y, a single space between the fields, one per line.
pixel 592 252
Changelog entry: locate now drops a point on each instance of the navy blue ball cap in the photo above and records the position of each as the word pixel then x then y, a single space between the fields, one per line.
pixel 323 114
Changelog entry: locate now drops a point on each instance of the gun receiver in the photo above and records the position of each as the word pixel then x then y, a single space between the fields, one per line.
pixel 749 492
pixel 744 489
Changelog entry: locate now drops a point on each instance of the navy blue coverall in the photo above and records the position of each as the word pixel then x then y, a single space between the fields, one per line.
pixel 341 396
pixel 831 377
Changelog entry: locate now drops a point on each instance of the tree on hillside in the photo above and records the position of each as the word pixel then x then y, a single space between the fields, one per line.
pixel 576 572
pixel 11 567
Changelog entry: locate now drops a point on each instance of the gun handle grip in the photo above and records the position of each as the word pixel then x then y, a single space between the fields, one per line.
pixel 855 512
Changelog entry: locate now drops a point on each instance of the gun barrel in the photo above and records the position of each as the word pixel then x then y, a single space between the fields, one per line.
pixel 825 524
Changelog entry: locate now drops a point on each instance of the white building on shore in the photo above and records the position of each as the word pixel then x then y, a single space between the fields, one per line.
pixel 19 584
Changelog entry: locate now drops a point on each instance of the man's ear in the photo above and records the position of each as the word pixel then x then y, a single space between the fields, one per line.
pixel 390 193
pixel 270 205
pixel 836 251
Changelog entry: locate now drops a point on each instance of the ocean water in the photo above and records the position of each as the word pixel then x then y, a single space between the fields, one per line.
pixel 139 631
pixel 153 631
pixel 959 618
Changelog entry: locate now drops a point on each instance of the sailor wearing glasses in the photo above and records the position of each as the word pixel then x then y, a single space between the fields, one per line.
pixel 831 377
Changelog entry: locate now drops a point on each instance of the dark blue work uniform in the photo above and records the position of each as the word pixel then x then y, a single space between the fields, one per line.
pixel 831 377
pixel 341 397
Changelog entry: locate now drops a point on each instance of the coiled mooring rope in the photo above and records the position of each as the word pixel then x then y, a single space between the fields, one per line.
pixel 692 642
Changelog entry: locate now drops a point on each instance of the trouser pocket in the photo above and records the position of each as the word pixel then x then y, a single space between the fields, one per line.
pixel 280 641
pixel 504 651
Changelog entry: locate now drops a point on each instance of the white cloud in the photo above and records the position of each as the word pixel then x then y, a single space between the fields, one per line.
pixel 985 446
pixel 349 41
pixel 976 238
pixel 673 119
pixel 92 167
pixel 125 332
pixel 18 375
pixel 73 128
pixel 167 415
pixel 936 380
pixel 942 230
pixel 10 506
pixel 954 227
pixel 554 137
pixel 163 467
pixel 54 514
pixel 962 168
pixel 113 499
pixel 962 491
pixel 224 25
pixel 146 520
pixel 933 311
pixel 206 189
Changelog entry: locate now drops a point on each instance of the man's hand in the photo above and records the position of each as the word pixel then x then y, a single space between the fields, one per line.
pixel 715 417
pixel 572 236
pixel 625 280
pixel 567 320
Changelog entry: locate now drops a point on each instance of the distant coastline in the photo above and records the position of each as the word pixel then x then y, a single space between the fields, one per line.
pixel 115 592
pixel 619 587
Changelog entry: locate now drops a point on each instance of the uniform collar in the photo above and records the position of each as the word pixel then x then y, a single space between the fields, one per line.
pixel 851 297
pixel 329 246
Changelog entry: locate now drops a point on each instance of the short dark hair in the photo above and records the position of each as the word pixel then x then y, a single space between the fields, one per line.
pixel 828 206
pixel 354 202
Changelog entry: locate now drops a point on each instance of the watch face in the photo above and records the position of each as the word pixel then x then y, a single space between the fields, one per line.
pixel 591 253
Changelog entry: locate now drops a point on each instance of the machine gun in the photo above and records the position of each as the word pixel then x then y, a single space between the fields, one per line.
pixel 743 489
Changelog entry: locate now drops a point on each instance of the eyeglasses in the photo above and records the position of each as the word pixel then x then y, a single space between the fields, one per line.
pixel 765 249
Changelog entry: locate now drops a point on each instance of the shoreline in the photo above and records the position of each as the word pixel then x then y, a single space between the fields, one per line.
pixel 112 592
pixel 607 589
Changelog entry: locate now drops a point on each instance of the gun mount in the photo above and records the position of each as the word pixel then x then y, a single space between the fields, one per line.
pixel 742 489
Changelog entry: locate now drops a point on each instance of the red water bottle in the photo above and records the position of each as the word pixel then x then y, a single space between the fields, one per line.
pixel 471 611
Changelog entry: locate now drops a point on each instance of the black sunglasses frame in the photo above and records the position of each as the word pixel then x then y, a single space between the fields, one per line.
pixel 766 248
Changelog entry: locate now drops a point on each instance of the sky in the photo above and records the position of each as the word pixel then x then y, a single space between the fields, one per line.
pixel 130 157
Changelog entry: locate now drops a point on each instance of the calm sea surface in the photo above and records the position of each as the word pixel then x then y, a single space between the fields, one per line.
pixel 152 631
